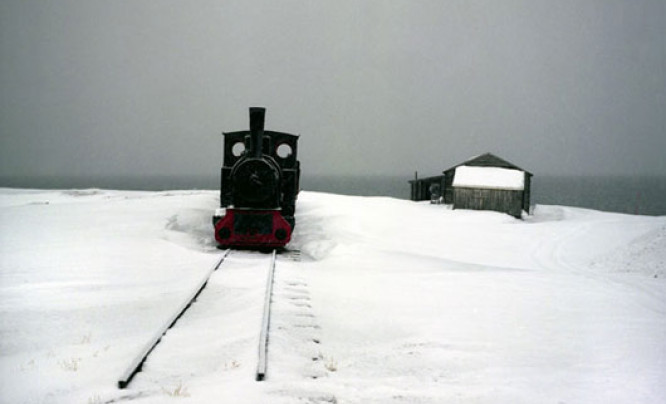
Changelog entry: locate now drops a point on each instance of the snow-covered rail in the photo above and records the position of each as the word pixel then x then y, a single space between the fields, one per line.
pixel 136 364
pixel 265 323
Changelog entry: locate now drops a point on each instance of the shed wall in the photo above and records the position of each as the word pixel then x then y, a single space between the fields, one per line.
pixel 499 200
pixel 421 188
pixel 527 193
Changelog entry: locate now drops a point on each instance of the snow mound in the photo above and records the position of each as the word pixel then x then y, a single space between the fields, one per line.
pixel 83 192
pixel 191 228
pixel 645 255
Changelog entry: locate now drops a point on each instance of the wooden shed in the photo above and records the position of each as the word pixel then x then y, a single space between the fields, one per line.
pixel 488 182
pixel 427 188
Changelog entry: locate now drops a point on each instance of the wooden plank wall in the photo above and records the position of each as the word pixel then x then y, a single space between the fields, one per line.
pixel 499 200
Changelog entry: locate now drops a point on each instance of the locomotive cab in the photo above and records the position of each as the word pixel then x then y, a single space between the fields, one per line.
pixel 259 186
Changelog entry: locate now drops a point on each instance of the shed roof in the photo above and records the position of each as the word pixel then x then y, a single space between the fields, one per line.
pixel 488 160
pixel 489 178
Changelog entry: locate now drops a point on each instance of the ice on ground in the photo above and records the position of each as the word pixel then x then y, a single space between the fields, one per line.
pixel 391 301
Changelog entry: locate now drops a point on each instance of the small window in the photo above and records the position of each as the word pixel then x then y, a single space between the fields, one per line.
pixel 284 151
pixel 238 149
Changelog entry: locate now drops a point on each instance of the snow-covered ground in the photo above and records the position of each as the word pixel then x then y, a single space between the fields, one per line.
pixel 391 302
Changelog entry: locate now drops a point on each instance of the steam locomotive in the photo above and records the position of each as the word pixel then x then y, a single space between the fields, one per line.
pixel 259 186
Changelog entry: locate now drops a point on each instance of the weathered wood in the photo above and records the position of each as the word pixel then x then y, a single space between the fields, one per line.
pixel 421 189
pixel 499 200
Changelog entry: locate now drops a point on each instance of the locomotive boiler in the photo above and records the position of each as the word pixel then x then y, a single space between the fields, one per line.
pixel 258 188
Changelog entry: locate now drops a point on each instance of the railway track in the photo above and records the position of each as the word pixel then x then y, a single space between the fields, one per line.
pixel 137 363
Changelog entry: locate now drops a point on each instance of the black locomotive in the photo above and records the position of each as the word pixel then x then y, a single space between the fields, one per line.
pixel 259 187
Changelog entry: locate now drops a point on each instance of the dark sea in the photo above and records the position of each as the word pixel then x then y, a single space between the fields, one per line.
pixel 634 195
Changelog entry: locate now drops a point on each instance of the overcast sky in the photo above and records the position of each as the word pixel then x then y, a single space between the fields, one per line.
pixel 373 87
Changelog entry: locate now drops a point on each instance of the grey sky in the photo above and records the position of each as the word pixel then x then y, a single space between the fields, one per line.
pixel 374 87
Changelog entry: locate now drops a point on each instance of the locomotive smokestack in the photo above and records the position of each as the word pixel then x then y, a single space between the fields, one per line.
pixel 257 115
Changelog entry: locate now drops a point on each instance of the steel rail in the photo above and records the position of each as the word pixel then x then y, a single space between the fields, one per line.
pixel 137 363
pixel 265 323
